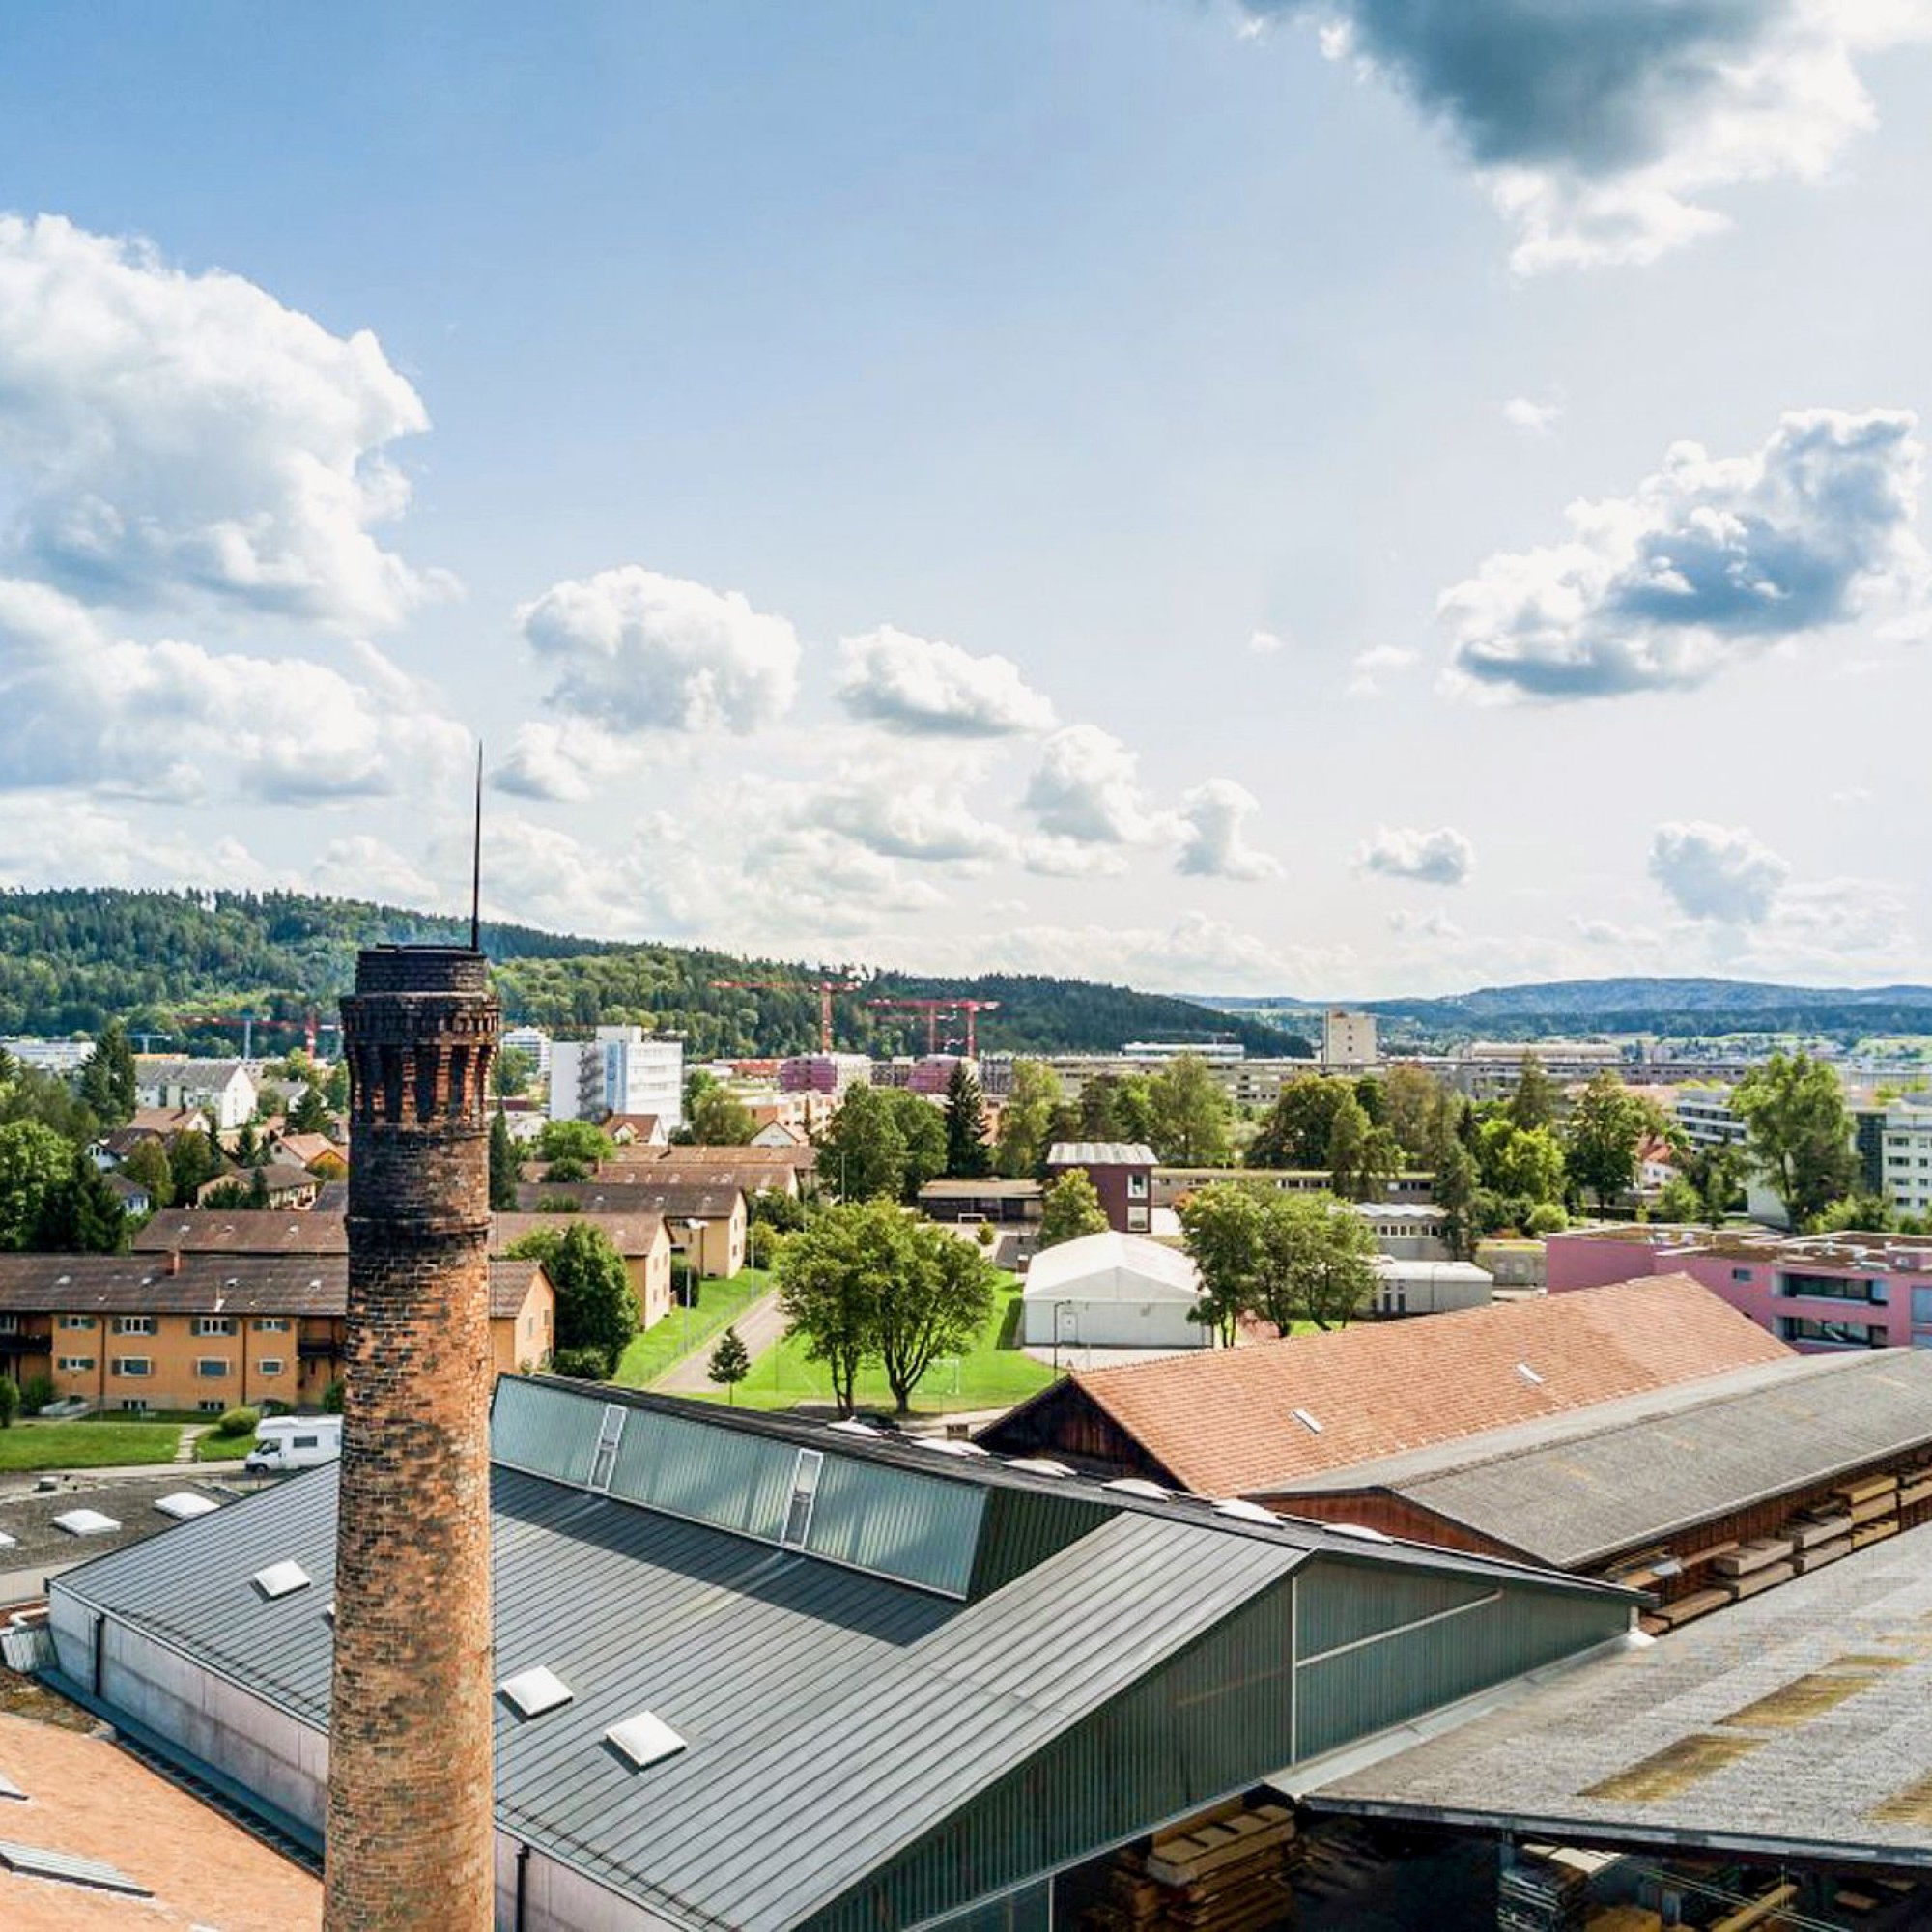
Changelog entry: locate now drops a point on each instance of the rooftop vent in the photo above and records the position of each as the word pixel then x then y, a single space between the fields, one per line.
pixel 32 1861
pixel 1040 1465
pixel 1307 1421
pixel 533 1692
pixel 6 1541
pixel 1138 1486
pixel 1246 1512
pixel 184 1503
pixel 328 1612
pixel 1529 1375
pixel 281 1579
pixel 85 1522
pixel 643 1740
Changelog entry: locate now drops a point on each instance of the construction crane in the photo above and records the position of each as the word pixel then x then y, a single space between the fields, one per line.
pixel 824 988
pixel 933 1010
pixel 245 1021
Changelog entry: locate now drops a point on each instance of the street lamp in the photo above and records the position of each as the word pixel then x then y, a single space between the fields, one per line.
pixel 1056 1307
pixel 692 1232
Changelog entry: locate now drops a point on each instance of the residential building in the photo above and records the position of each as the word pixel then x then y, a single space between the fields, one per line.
pixel 824 1072
pixel 707 1224
pixel 1815 1291
pixel 1403 1231
pixel 635 1131
pixel 1113 1290
pixel 1171 1185
pixel 1348 1042
pixel 1704 1117
pixel 282 1183
pixel 973 1680
pixel 211 1331
pixel 621 1070
pixel 1160 1051
pixel 1122 1176
pixel 928 1073
pixel 1905 1154
pixel 49 1055
pixel 643 1240
pixel 1245 1421
pixel 224 1090
pixel 533 1042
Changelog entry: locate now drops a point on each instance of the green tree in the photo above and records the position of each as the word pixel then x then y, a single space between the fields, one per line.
pixel 1603 1135
pixel 310 1112
pixel 1798 1132
pixel 717 1118
pixel 107 1078
pixel 936 1305
pixel 512 1073
pixel 863 1151
pixel 1413 1100
pixel 1678 1201
pixel 922 1128
pixel 1718 1174
pixel 596 1306
pixel 194 1161
pixel 504 1172
pixel 1314 1260
pixel 1862 1214
pixel 1527 1162
pixel 1189 1114
pixel 574 1141
pixel 1533 1104
pixel 148 1164
pixel 82 1216
pixel 966 1152
pixel 1221 1228
pixel 831 1276
pixel 1301 1124
pixel 730 1363
pixel 35 1165
pixel 1069 1208
pixel 1373 1098
pixel 1026 1121
pixel 9 1401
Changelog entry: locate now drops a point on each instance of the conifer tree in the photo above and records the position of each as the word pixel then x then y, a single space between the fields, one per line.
pixel 730 1363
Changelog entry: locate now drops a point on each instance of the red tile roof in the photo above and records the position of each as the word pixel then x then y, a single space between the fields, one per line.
pixel 1223 1421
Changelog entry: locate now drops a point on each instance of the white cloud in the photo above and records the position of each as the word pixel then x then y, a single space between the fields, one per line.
pixel 1195 954
pixel 185 439
pixel 1717 872
pixel 1532 418
pixel 636 650
pixel 54 839
pixel 363 867
pixel 565 763
pixel 171 720
pixel 1366 668
pixel 918 685
pixel 1087 787
pixel 1711 560
pixel 1443 857
pixel 1853 795
pixel 1264 643
pixel 1435 926
pixel 1216 816
pixel 1072 858
pixel 1601 130
pixel 901 819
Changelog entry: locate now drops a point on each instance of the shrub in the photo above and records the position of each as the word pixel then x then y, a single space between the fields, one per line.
pixel 10 1401
pixel 588 1365
pixel 36 1392
pixel 238 1422
pixel 331 1398
pixel 558 1203
pixel 986 1237
pixel 567 1170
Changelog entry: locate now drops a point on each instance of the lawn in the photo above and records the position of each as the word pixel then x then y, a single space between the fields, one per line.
pixel 720 1304
pixel 87 1445
pixel 995 1373
pixel 214 1447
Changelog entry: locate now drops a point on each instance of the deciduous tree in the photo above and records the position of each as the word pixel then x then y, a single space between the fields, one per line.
pixel 1799 1133
pixel 1026 1120
pixel 1189 1114
pixel 1071 1208
pixel 596 1306
pixel 1603 1136
pixel 34 1164
pixel 1221 1225
pixel 1534 1102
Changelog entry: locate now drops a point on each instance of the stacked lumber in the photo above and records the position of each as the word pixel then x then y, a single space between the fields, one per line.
pixel 1537 1895
pixel 1755 1566
pixel 1226 1872
pixel 1818 1554
pixel 1681 1610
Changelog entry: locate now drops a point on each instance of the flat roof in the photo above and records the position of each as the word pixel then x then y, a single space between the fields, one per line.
pixel 1852 1250
pixel 1791 1725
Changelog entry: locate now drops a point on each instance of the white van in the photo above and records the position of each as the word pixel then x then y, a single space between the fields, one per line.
pixel 287 1442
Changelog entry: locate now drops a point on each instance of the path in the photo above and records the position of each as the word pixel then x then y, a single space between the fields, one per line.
pixel 189 1437
pixel 758 1327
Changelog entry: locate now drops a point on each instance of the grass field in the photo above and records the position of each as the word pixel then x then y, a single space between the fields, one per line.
pixel 214 1447
pixel 995 1373
pixel 87 1445
pixel 718 1304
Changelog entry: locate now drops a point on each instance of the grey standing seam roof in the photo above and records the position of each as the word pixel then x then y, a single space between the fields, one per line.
pixel 1582 1488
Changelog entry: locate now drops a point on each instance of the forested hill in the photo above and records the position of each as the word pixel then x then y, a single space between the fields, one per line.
pixel 176 963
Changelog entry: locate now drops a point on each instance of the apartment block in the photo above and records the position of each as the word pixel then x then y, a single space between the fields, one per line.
pixel 622 1070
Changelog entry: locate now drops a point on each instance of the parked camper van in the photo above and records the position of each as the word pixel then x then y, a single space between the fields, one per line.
pixel 289 1442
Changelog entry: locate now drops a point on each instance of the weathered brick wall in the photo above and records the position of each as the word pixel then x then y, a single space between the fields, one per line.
pixel 410 1830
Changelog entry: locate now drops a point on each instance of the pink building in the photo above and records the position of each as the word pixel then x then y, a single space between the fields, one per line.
pixel 1817 1292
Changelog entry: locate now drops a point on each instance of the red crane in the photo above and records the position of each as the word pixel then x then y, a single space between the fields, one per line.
pixel 824 988
pixel 934 1008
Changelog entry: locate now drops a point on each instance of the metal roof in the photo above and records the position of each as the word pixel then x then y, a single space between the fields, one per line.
pixel 775 1665
pixel 1099 1153
pixel 1573 1490
pixel 1790 1724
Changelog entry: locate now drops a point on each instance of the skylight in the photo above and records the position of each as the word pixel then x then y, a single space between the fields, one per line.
pixel 32 1862
pixel 1246 1512
pixel 85 1522
pixel 184 1503
pixel 1529 1375
pixel 852 1426
pixel 947 1448
pixel 1307 1421
pixel 6 1541
pixel 1360 1531
pixel 281 1579
pixel 643 1740
pixel 9 1789
pixel 1138 1486
pixel 533 1692
pixel 1040 1465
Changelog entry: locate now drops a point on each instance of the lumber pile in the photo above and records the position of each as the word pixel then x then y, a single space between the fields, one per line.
pixel 1227 1871
pixel 1537 1895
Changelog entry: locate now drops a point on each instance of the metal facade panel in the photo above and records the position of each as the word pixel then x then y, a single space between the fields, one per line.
pixel 1341 1603
pixel 914 1527
pixel 545 1430
pixel 692 1468
pixel 1023 1528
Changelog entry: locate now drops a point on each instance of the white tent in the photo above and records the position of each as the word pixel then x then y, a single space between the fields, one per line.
pixel 1113 1290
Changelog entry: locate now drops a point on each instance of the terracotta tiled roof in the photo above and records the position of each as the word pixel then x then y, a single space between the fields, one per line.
pixel 1223 1421
pixel 271 1231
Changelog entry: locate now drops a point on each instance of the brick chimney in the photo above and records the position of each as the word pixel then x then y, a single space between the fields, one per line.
pixel 410 1837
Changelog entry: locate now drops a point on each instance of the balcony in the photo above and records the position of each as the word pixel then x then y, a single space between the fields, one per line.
pixel 320 1348
pixel 26 1345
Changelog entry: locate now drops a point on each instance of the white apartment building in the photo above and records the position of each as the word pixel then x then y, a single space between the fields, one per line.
pixel 222 1088
pixel 1348 1039
pixel 1704 1117
pixel 622 1070
pixel 49 1055
pixel 1906 1151
pixel 535 1042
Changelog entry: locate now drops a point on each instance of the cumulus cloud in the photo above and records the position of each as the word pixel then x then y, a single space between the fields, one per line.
pixel 1264 643
pixel 1215 846
pixel 898 820
pixel 1087 787
pixel 1717 872
pixel 52 838
pixel 1600 127
pixel 1436 925
pixel 635 650
pixel 918 685
pixel 1711 560
pixel 1532 418
pixel 1195 953
pixel 1443 857
pixel 1369 667
pixel 365 867
pixel 563 763
pixel 180 438
pixel 1071 859
pixel 172 721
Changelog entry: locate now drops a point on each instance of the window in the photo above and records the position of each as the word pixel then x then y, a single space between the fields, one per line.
pixel 1741 1274
pixel 77 1321
pixel 215 1324
pixel 1137 1220
pixel 1921 1303
pixel 270 1365
pixel 272 1325
pixel 1835 1334
pixel 134 1404
pixel 1137 1187
pixel 75 1365
pixel 803 1488
pixel 10 1324
pixel 210 1368
pixel 305 1442
pixel 207 1407
pixel 1830 1288
pixel 133 1325
pixel 132 1365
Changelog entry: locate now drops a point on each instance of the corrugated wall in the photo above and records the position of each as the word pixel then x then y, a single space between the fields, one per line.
pixel 549 1431
pixel 915 1528
pixel 1024 1527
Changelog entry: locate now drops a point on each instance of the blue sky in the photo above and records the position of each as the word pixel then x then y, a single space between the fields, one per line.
pixel 1173 491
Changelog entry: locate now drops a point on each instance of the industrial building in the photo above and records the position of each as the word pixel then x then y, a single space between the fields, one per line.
pixel 1113 1290
pixel 763 1674
pixel 1231 1422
